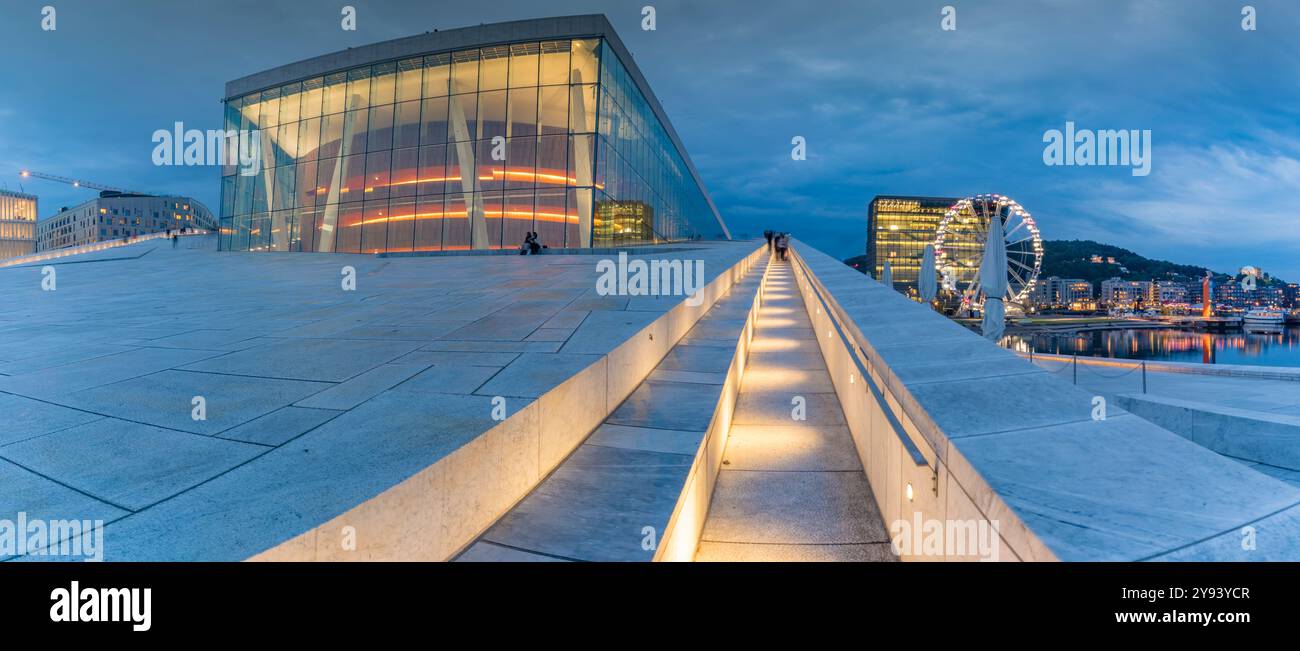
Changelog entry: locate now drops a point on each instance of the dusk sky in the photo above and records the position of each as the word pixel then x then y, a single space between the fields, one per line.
pixel 889 104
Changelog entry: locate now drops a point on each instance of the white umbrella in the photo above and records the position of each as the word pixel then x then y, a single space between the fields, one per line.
pixel 927 284
pixel 993 280
pixel 887 276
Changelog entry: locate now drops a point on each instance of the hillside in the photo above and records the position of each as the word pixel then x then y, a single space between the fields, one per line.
pixel 1073 259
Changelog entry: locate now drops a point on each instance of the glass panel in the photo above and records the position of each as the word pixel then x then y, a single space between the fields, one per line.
pixel 377 169
pixel 580 160
pixel 352 176
pixel 381 127
pixel 493 210
pixel 428 223
pixel 354 131
pixel 492 114
pixel 437 75
pixel 407 126
pixel 519 218
pixel 259 232
pixel 494 67
pixel 313 92
pixel 578 221
pixel 348 239
pixel 433 117
pixel 552 167
pixel 464 71
pixel 522 112
pixel 308 225
pixel 401 224
pixel 286 141
pixel 280 230
pixel 290 103
pixel 270 109
pixel 456 230
pixel 406 163
pixel 583 104
pixel 586 61
pixel 553 110
pixel 335 92
pixel 308 139
pixel 374 234
pixel 285 189
pixel 555 63
pixel 306 178
pixel 409 73
pixel 358 94
pixel 491 166
pixel 433 170
pixel 331 136
pixel 383 83
pixel 521 163
pixel 462 113
pixel 523 64
pixel 550 218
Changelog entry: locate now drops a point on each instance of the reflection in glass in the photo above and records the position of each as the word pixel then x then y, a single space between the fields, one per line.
pixel 400 156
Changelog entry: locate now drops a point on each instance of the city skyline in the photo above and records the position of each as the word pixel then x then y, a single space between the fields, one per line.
pixel 885 105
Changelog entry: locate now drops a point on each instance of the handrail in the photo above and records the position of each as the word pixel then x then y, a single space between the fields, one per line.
pixel 860 359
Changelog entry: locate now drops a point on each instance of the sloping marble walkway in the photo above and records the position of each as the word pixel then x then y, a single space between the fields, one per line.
pixel 612 499
pixel 790 490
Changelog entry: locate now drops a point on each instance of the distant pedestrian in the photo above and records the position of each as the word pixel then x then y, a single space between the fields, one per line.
pixel 782 243
pixel 175 238
pixel 768 234
pixel 534 247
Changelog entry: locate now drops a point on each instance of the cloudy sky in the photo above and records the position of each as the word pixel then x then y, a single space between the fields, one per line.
pixel 888 102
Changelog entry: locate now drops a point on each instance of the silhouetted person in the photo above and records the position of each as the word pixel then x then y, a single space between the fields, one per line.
pixel 782 243
pixel 534 247
pixel 768 234
pixel 175 239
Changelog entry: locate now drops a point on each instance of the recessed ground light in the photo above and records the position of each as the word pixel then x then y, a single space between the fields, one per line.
pixel 909 491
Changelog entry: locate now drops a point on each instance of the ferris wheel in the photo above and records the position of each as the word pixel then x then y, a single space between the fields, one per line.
pixel 959 247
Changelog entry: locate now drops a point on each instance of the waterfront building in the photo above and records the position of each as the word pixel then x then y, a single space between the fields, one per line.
pixel 1169 292
pixel 17 224
pixel 1128 294
pixel 898 230
pixel 1072 293
pixel 116 215
pixel 463 139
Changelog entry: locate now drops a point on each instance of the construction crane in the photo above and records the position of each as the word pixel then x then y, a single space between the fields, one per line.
pixel 76 183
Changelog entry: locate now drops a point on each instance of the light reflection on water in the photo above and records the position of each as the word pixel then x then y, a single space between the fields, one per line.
pixel 1278 349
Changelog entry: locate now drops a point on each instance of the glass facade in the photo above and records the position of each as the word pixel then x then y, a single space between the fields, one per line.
pixel 898 230
pixel 17 224
pixel 468 149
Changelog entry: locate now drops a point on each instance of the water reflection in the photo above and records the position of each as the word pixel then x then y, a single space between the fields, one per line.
pixel 1277 349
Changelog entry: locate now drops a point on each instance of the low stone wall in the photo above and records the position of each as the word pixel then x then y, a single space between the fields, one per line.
pixel 439 510
pixel 983 436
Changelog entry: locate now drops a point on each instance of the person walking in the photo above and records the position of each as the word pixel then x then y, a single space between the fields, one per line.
pixel 782 243
pixel 768 234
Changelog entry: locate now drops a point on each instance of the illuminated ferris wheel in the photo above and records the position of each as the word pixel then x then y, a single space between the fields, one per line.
pixel 959 247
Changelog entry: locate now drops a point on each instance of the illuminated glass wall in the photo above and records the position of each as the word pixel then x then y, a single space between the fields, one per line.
pixel 470 149
pixel 898 230
pixel 17 224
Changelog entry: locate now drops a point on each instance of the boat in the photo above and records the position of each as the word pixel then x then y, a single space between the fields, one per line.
pixel 1264 319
